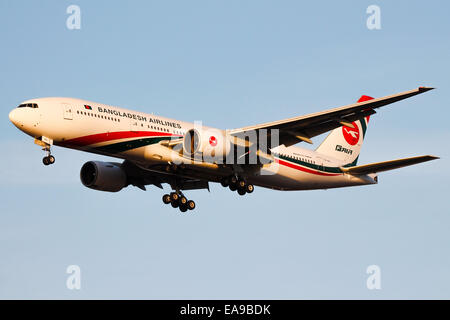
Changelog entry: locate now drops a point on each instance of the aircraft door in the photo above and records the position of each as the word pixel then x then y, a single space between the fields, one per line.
pixel 134 125
pixel 67 110
pixel 320 163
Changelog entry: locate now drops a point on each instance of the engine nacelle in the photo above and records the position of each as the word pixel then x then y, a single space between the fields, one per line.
pixel 208 143
pixel 103 176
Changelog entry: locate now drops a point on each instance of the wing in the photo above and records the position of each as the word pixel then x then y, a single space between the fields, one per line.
pixel 140 177
pixel 386 165
pixel 303 128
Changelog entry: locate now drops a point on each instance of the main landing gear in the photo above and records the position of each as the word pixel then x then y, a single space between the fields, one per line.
pixel 178 200
pixel 48 159
pixel 237 184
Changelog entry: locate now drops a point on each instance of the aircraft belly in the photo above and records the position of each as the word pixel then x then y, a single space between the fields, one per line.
pixel 285 178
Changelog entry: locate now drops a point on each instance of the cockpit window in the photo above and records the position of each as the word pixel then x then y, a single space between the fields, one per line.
pixel 28 105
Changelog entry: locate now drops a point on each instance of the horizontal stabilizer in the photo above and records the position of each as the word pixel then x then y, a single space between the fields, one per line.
pixel 386 165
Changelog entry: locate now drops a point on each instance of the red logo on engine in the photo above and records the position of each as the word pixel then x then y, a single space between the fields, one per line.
pixel 351 135
pixel 213 141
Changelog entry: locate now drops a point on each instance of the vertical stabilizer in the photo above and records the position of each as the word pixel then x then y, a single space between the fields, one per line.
pixel 344 143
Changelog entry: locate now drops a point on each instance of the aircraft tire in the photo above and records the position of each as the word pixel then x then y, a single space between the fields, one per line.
pixel 191 205
pixel 183 201
pixel 174 196
pixel 225 182
pixel 166 199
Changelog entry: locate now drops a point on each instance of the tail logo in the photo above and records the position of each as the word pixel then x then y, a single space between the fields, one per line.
pixel 351 135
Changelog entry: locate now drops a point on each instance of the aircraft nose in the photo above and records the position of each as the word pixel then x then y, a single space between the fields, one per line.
pixel 16 119
pixel 13 116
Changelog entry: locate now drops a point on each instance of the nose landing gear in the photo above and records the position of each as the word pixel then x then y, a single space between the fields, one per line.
pixel 48 159
pixel 178 200
pixel 46 144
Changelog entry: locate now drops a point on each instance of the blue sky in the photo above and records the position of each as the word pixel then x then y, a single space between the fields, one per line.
pixel 229 64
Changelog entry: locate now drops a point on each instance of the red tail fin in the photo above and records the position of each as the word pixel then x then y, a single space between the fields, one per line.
pixel 365 98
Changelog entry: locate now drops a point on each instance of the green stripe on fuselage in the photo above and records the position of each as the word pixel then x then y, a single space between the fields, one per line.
pixel 364 126
pixel 310 165
pixel 352 164
pixel 129 145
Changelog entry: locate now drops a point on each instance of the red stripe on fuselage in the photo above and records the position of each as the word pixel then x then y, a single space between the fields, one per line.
pixel 294 166
pixel 108 136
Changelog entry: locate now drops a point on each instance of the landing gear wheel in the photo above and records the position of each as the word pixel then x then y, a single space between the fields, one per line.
pixel 233 187
pixel 191 205
pixel 241 191
pixel 183 201
pixel 178 200
pixel 174 196
pixel 241 184
pixel 48 160
pixel 249 188
pixel 166 199
pixel 225 182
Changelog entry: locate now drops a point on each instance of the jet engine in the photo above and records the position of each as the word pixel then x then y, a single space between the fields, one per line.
pixel 212 143
pixel 103 176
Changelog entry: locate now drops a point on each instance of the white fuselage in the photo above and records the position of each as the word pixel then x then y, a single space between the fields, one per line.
pixel 131 135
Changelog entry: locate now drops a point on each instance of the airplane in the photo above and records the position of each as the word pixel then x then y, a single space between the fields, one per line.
pixel 187 156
